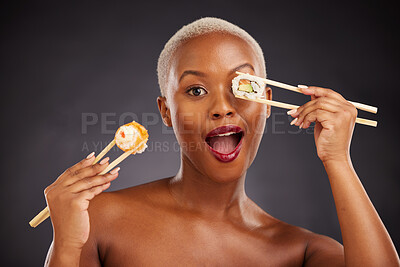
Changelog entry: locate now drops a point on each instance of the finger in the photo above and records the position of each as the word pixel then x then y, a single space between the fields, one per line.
pixel 90 182
pixel 326 118
pixel 82 164
pixel 322 92
pixel 318 105
pixel 87 172
pixel 94 191
pixel 314 103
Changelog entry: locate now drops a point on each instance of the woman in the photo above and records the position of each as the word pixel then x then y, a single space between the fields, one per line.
pixel 202 216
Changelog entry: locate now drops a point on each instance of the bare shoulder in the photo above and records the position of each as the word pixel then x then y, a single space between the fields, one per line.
pixel 111 212
pixel 111 203
pixel 319 250
pixel 314 249
pixel 109 206
pixel 323 250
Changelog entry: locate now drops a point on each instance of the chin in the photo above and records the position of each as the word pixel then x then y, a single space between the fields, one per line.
pixel 223 177
pixel 223 172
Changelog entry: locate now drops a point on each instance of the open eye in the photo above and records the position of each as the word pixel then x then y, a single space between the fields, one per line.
pixel 196 91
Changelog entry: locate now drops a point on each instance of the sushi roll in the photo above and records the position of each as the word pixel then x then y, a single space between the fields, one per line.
pixel 132 136
pixel 248 86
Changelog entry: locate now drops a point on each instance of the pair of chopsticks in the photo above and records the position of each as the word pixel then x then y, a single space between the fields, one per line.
pixel 44 214
pixel 364 107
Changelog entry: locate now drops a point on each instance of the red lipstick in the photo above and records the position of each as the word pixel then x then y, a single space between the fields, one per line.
pixel 234 134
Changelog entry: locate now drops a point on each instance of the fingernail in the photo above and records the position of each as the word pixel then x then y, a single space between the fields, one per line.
pixel 305 89
pixel 301 125
pixel 115 170
pixel 90 155
pixel 103 161
pixel 293 121
pixel 292 111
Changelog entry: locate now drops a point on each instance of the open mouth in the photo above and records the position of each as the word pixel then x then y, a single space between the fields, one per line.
pixel 225 142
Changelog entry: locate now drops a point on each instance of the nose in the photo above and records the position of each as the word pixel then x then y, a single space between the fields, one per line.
pixel 222 107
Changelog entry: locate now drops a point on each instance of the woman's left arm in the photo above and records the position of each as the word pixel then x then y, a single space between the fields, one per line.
pixel 365 239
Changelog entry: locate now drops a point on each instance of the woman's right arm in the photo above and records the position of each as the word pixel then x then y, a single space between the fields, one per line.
pixel 68 201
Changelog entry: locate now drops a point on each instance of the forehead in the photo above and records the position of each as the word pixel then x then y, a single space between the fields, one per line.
pixel 213 53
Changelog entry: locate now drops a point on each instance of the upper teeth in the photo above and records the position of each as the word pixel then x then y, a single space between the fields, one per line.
pixel 226 134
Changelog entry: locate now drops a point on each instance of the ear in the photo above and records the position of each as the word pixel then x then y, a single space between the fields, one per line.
pixel 268 96
pixel 164 110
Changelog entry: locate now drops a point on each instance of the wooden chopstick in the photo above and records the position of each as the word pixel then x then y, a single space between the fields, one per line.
pixel 104 151
pixel 269 102
pixel 290 106
pixel 121 158
pixel 38 219
pixel 364 107
pixel 45 213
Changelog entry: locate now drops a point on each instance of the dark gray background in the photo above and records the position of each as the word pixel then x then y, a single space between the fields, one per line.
pixel 61 60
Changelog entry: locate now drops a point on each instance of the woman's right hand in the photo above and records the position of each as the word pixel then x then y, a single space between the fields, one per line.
pixel 68 200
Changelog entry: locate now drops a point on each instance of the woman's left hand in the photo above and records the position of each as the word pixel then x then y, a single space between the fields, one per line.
pixel 334 119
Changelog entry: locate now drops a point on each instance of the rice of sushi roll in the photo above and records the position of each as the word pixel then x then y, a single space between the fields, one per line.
pixel 131 136
pixel 249 86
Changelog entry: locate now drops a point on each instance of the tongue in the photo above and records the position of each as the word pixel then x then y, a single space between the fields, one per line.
pixel 223 144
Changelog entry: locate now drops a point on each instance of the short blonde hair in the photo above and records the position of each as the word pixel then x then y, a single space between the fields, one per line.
pixel 200 27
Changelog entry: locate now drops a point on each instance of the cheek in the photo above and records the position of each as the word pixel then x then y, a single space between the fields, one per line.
pixel 255 115
pixel 259 122
pixel 256 119
pixel 187 121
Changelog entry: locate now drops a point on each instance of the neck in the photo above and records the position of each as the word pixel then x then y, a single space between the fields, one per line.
pixel 198 192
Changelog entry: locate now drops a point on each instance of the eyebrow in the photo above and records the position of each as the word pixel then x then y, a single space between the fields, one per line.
pixel 193 72
pixel 248 65
pixel 202 74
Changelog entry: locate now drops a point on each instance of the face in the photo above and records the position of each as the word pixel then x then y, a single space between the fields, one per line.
pixel 219 134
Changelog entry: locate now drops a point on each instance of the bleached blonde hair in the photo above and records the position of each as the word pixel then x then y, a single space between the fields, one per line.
pixel 200 27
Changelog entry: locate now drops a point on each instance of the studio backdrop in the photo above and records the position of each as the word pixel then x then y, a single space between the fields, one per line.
pixel 72 72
